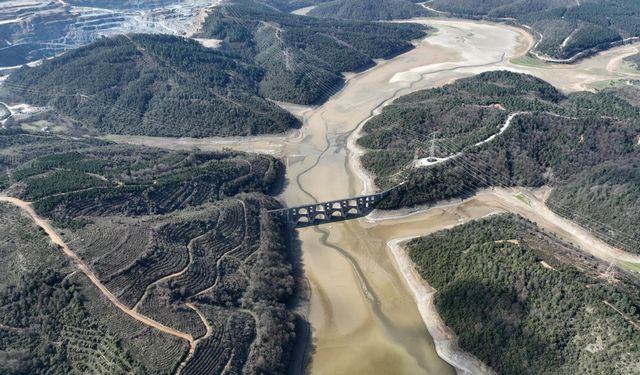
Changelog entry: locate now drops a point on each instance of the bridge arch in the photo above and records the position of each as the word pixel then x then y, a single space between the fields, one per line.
pixel 320 216
pixel 353 211
pixel 303 220
pixel 337 214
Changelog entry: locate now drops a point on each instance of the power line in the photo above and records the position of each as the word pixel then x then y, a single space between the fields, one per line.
pixel 498 178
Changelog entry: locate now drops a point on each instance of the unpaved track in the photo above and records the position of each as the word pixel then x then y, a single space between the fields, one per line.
pixel 56 239
pixel 192 348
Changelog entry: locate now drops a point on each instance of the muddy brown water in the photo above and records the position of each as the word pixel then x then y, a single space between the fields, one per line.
pixel 363 316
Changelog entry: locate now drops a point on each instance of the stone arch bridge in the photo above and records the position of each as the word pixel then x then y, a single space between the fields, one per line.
pixel 327 212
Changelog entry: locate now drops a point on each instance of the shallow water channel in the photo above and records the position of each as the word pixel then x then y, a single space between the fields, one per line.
pixel 364 318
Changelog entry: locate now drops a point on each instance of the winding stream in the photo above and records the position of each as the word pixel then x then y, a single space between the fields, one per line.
pixel 363 314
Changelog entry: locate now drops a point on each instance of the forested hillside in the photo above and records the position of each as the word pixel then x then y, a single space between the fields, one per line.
pixel 181 238
pixel 45 327
pixel 153 85
pixel 303 57
pixel 565 27
pixel 525 303
pixel 581 142
pixel 289 5
pixel 369 9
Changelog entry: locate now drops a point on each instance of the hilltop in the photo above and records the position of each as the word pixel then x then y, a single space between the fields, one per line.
pixel 303 58
pixel 509 129
pixel 153 85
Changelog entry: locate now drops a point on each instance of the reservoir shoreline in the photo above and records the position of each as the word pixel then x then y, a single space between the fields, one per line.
pixel 357 292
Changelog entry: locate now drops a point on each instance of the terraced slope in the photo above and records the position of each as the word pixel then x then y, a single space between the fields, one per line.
pixel 303 57
pixel 178 238
pixel 45 325
pixel 153 85
pixel 508 129
pixel 526 303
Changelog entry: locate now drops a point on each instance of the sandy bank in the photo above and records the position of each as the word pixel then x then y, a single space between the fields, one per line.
pixel 445 340
pixel 528 203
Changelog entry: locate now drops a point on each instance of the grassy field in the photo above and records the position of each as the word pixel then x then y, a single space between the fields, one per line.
pixel 528 60
pixel 524 199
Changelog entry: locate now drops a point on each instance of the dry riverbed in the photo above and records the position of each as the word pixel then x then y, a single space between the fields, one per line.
pixel 362 309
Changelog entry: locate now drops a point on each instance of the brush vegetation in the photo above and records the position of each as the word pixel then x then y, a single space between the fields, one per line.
pixel 523 302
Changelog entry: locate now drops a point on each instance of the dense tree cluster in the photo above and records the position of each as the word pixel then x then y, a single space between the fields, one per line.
pixel 153 85
pixel 515 301
pixel 45 329
pixel 562 141
pixel 303 57
pixel 566 27
pixel 608 195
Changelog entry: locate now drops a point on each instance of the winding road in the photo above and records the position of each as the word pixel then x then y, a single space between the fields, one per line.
pixel 56 239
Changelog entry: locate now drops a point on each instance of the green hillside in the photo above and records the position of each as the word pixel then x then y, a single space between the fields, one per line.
pixel 525 303
pixel 581 143
pixel 153 85
pixel 181 237
pixel 303 57
pixel 369 9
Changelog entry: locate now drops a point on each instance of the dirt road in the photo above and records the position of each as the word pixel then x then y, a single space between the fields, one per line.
pixel 56 239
